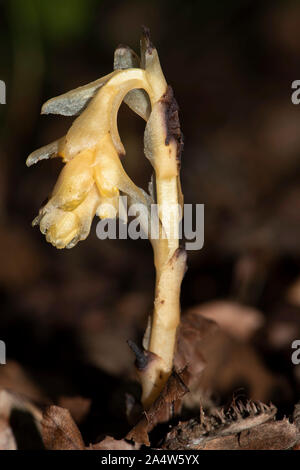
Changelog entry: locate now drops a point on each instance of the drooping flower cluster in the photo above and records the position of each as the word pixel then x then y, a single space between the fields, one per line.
pixel 93 175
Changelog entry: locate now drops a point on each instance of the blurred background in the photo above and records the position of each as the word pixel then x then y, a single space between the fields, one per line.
pixel 66 315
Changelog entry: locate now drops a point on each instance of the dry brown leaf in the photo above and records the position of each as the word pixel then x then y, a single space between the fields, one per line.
pixel 227 361
pixel 189 351
pixel 59 430
pixel 162 410
pixel 237 320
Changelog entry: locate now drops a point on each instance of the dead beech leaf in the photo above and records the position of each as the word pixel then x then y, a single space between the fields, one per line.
pixel 59 431
pixel 202 342
pixel 162 410
pixel 236 319
pixel 189 351
pixel 109 443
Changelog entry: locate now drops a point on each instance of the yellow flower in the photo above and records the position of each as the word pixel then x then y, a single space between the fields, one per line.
pixel 81 190
pixel 93 175
pixel 65 228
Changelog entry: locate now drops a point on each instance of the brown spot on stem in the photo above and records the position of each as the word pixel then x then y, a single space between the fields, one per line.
pixel 170 109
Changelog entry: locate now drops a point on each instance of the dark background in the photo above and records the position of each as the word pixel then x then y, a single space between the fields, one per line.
pixel 66 315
